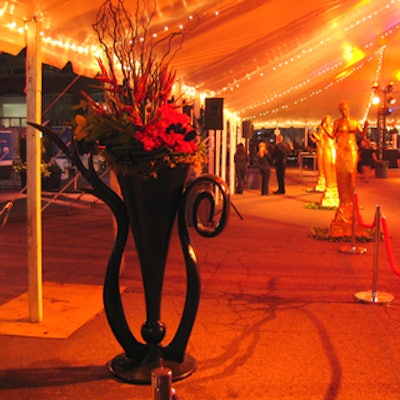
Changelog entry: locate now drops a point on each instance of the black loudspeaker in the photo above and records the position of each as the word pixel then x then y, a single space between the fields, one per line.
pixel 213 118
pixel 247 129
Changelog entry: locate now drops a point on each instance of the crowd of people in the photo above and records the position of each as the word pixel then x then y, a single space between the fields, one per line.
pixel 265 160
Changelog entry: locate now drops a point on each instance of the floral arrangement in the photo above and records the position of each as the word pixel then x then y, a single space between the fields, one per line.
pixel 139 124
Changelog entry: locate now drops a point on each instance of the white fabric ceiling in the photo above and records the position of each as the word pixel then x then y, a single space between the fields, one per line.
pixel 281 62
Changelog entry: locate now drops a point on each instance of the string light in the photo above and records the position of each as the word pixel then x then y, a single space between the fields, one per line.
pixel 269 70
pixel 48 39
pixel 252 73
pixel 378 71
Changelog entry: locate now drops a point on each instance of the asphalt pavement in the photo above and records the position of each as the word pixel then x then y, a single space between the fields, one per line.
pixel 279 315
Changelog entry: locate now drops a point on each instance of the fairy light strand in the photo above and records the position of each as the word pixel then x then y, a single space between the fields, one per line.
pixel 239 83
pixel 306 50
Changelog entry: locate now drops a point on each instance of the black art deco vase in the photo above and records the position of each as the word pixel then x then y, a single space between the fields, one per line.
pixel 148 208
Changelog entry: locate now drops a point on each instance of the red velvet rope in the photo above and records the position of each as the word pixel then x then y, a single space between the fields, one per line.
pixel 359 219
pixel 386 236
pixel 389 249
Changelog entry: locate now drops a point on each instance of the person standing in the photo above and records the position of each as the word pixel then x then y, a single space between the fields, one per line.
pixel 264 163
pixel 241 160
pixel 367 158
pixel 279 155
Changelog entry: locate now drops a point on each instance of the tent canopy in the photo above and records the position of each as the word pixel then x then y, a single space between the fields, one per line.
pixel 274 62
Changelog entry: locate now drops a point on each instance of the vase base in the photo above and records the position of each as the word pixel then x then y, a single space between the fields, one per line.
pixel 123 368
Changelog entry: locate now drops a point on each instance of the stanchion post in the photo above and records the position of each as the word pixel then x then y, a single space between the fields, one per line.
pixel 161 383
pixel 373 296
pixel 353 249
pixel 374 291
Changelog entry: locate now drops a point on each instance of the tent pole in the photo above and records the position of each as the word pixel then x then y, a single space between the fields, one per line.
pixel 224 151
pixel 232 148
pixel 34 189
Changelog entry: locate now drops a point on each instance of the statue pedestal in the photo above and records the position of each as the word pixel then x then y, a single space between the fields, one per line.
pixel 342 229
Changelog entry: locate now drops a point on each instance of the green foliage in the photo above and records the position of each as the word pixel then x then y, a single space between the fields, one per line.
pixel 47 169
pixel 316 206
pixel 320 233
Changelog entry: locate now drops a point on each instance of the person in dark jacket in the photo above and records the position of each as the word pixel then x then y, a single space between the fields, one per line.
pixel 279 155
pixel 264 163
pixel 241 160
pixel 367 158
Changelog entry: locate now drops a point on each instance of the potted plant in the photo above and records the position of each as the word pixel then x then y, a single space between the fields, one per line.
pixel 50 170
pixel 149 144
pixel 51 175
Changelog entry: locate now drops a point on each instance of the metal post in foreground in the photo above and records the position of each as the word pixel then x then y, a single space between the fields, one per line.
pixel 353 249
pixel 373 296
pixel 161 381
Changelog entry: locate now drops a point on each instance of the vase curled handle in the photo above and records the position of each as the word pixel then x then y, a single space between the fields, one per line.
pixel 200 193
pixel 207 190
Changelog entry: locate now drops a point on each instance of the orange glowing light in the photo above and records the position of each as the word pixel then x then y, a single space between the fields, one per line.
pixel 352 54
pixel 342 74
pixel 376 100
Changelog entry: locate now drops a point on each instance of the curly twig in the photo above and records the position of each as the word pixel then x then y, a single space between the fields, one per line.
pixel 141 56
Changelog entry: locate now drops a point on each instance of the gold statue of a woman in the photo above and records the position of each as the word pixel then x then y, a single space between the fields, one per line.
pixel 345 131
pixel 326 158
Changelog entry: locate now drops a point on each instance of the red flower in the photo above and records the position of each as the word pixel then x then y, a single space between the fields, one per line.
pixel 169 129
